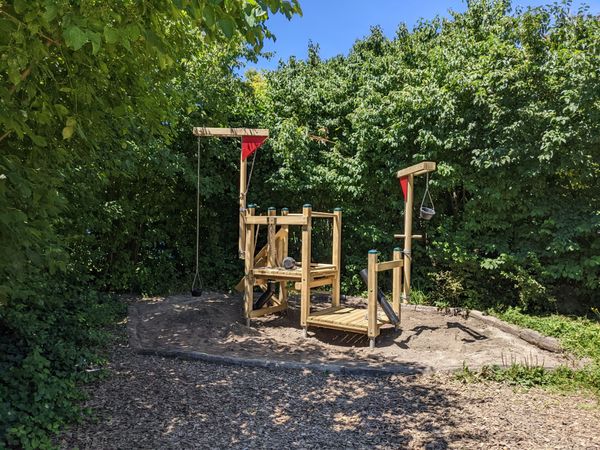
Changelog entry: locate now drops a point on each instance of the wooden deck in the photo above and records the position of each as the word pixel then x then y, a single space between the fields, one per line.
pixel 343 318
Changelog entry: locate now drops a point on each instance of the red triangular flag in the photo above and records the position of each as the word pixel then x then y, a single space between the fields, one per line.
pixel 250 144
pixel 404 185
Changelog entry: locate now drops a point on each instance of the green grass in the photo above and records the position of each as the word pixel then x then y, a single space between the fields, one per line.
pixel 579 336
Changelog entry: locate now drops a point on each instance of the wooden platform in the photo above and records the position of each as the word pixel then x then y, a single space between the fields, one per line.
pixel 316 271
pixel 343 318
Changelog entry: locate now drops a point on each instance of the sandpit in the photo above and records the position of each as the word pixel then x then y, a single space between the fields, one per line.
pixel 428 340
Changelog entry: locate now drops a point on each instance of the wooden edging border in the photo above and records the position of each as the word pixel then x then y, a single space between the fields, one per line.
pixel 338 369
pixel 533 337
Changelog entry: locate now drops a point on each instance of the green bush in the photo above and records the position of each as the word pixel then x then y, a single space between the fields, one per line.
pixel 507 105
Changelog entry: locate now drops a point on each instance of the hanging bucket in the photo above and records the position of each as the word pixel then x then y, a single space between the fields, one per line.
pixel 426 213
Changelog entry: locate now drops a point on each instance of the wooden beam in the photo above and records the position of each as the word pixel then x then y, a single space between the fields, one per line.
pixel 316 283
pixel 229 132
pixel 336 258
pixel 248 268
pixel 372 296
pixel 414 236
pixel 267 310
pixel 306 273
pixel 418 169
pixel 408 213
pixel 323 215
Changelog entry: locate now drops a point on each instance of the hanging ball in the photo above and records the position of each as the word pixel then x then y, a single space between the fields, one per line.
pixel 196 292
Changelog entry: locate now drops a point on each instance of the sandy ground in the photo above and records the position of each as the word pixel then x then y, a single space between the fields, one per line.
pixel 427 341
pixel 157 403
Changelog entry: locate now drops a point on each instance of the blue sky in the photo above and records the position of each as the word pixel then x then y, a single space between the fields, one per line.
pixel 336 24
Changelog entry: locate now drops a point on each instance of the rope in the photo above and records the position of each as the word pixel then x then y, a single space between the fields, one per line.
pixel 197 274
pixel 427 193
pixel 250 175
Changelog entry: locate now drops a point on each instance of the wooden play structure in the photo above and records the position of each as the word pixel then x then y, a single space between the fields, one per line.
pixel 273 271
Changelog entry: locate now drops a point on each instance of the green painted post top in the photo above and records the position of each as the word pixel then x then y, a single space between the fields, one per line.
pixel 307 205
pixel 337 209
pixel 271 208
pixel 252 205
pixel 285 209
pixel 397 249
pixel 373 252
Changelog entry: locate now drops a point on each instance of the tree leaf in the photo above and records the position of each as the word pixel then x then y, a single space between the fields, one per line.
pixel 227 26
pixel 67 132
pixel 75 37
pixel 111 35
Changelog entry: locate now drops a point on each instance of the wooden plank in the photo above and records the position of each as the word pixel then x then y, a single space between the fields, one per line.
pixel 287 220
pixel 278 274
pixel 417 169
pixel 229 132
pixel 256 220
pixel 324 215
pixel 316 283
pixel 352 329
pixel 277 220
pixel 388 265
pixel 325 311
pixel 268 310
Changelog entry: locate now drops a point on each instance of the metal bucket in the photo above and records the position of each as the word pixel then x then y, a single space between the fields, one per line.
pixel 426 213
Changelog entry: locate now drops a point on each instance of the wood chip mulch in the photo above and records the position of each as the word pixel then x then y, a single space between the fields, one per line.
pixel 160 403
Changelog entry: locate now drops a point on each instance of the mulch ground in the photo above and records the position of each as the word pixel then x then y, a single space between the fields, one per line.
pixel 153 402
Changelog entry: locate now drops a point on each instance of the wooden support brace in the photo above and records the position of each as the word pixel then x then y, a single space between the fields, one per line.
pixel 388 265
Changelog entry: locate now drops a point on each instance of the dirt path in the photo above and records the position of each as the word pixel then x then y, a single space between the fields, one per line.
pixel 152 402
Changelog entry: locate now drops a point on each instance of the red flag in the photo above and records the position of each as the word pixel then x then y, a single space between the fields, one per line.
pixel 404 185
pixel 250 144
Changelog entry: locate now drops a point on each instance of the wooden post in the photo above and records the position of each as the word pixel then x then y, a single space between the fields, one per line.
pixel 283 292
pixel 397 284
pixel 336 258
pixel 372 297
pixel 243 184
pixel 271 244
pixel 249 266
pixel 408 213
pixel 306 259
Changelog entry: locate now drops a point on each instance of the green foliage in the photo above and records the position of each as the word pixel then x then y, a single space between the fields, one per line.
pixel 580 336
pixel 96 186
pixel 45 351
pixel 507 105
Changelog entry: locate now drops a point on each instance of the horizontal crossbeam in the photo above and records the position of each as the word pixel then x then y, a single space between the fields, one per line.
pixel 418 169
pixel 229 132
